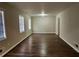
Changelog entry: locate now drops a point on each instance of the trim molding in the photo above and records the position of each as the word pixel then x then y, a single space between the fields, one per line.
pixel 44 32
pixel 70 45
pixel 14 45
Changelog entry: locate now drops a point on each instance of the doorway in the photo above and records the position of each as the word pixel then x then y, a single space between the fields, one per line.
pixel 58 26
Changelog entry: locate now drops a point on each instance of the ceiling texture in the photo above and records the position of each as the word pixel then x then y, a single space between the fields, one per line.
pixel 52 8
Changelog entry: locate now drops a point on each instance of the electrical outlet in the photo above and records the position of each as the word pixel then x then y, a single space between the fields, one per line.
pixel 76 45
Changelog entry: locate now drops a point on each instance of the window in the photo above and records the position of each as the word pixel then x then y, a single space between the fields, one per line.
pixel 29 23
pixel 2 26
pixel 21 24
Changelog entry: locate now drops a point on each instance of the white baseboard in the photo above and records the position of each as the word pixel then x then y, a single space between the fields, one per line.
pixel 44 32
pixel 70 45
pixel 56 33
pixel 13 46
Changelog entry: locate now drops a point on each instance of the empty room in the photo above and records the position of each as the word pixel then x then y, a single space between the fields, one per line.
pixel 39 29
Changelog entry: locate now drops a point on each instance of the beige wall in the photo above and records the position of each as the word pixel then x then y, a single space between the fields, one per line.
pixel 12 27
pixel 44 24
pixel 69 26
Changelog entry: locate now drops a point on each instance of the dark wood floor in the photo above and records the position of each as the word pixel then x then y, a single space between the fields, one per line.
pixel 44 45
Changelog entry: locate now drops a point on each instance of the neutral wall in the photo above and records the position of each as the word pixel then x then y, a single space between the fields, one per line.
pixel 12 27
pixel 44 24
pixel 69 26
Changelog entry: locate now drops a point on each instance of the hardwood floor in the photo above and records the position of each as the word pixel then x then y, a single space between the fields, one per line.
pixel 44 45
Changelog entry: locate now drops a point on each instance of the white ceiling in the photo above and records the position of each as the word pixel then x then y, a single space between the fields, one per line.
pixel 48 7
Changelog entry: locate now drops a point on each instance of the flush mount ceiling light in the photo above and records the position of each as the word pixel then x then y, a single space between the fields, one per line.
pixel 39 14
pixel 43 14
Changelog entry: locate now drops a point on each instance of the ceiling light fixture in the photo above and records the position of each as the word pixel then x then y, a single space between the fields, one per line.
pixel 43 14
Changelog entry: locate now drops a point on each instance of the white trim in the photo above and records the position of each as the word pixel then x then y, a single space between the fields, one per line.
pixel 3 24
pixel 44 32
pixel 56 33
pixel 4 32
pixel 70 45
pixel 21 24
pixel 14 46
pixel 29 24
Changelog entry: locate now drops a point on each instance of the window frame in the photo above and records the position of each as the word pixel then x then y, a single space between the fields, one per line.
pixel 3 22
pixel 21 25
pixel 29 21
